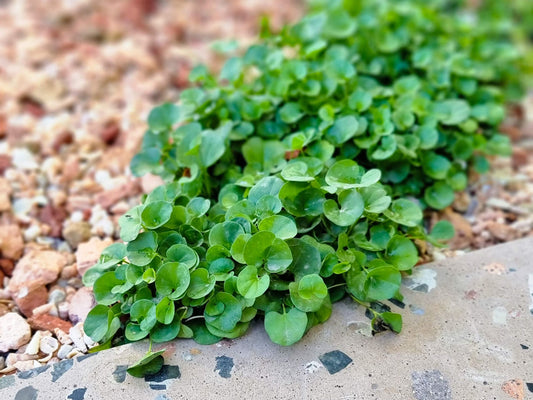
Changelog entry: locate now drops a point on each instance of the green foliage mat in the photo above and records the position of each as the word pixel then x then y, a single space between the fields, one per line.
pixel 299 175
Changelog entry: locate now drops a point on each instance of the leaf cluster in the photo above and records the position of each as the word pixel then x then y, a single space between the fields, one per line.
pixel 298 175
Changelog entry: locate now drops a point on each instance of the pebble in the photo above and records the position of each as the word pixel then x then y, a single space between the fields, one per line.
pixel 101 223
pixel 11 241
pixel 44 309
pixel 64 351
pixel 13 358
pixel 36 268
pixel 49 345
pixel 76 334
pixel 28 299
pixel 23 159
pixel 56 296
pixel 5 192
pixel 33 347
pixel 26 365
pixel 48 322
pixel 62 310
pixel 80 304
pixel 89 252
pixel 70 271
pixel 14 332
pixel 62 336
pixel 76 233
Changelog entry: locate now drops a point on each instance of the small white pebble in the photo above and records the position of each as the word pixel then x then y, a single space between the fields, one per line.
pixel 76 334
pixel 49 345
pixel 64 351
pixel 88 341
pixel 33 346
pixel 31 233
pixel 76 216
pixel 43 309
pixel 62 309
pixel 23 159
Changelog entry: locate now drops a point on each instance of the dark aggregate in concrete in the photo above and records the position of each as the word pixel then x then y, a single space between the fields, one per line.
pixel 27 393
pixel 224 366
pixel 335 361
pixel 166 372
pixel 77 394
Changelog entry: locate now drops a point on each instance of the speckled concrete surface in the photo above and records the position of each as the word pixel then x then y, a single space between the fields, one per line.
pixel 468 335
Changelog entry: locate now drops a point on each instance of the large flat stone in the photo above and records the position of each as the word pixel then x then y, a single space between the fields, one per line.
pixel 468 337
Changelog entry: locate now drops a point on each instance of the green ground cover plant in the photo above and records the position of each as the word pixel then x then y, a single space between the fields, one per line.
pixel 299 174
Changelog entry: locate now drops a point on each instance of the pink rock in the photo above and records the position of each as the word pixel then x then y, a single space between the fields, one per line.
pixel 81 303
pixel 88 253
pixel 112 196
pixel 11 241
pixel 5 192
pixel 27 299
pixel 35 269
pixel 46 322
pixel 14 332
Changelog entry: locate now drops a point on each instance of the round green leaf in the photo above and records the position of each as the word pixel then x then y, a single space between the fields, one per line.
pixel 442 231
pixel 97 322
pixel 402 253
pixel 382 283
pixel 287 328
pixel 250 285
pixel 225 233
pixel 404 212
pixel 172 280
pixel 342 130
pixel 309 293
pixel 344 174
pixel 103 287
pixel 439 196
pixel 306 258
pixel 282 227
pixel 164 311
pixel 264 249
pixel 201 284
pixel 223 311
pixel 141 251
pixel 351 208
pixel 156 214
pixel 435 166
pixel 163 117
pixel 183 254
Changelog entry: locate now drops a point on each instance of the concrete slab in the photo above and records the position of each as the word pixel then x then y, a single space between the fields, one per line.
pixel 470 337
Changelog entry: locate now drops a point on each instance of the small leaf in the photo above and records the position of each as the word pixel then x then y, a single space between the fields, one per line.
pixel 172 280
pixel 404 212
pixel 150 364
pixel 165 311
pixel 442 231
pixel 402 253
pixel 351 208
pixel 342 130
pixel 250 285
pixel 282 227
pixel 163 117
pixel 287 328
